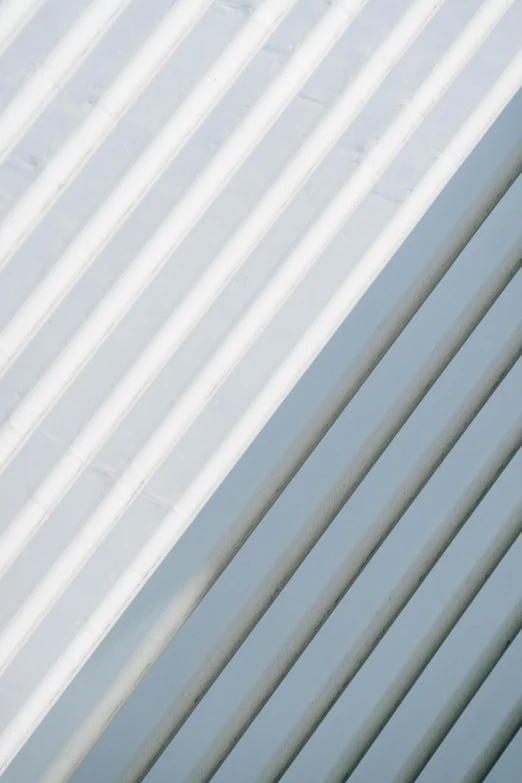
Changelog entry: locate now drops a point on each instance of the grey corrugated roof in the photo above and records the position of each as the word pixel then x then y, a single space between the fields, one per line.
pixel 260 393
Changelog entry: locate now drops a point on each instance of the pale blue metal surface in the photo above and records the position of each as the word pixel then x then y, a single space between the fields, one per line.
pixel 55 434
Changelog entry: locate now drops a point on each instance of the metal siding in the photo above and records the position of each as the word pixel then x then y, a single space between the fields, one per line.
pixel 260 390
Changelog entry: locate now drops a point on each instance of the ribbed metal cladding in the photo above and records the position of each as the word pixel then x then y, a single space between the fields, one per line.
pixel 260 390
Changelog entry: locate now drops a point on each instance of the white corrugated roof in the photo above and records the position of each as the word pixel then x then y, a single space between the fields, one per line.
pixel 260 331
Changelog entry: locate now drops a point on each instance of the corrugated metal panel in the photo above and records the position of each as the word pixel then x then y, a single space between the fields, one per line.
pixel 260 340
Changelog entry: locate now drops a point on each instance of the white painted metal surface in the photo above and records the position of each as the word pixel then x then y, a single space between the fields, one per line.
pixel 259 293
